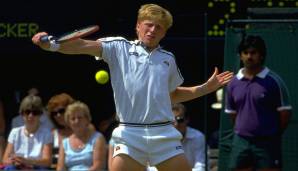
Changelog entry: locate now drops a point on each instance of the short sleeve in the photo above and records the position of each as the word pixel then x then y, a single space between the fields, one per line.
pixel 175 78
pixel 229 102
pixel 12 135
pixel 110 46
pixel 48 136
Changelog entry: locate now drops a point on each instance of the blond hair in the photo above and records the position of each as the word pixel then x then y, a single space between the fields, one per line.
pixel 77 106
pixel 156 13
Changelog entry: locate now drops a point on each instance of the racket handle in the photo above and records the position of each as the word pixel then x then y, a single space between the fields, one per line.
pixel 46 38
pixel 54 45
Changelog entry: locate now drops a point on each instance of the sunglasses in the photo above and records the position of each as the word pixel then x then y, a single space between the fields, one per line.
pixel 33 112
pixel 59 111
pixel 179 119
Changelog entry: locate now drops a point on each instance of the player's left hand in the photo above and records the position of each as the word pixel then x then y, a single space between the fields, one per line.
pixel 218 80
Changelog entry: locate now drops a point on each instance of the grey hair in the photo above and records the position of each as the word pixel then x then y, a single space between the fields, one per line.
pixel 31 102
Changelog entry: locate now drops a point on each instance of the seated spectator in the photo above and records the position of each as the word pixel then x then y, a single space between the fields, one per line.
pixel 29 146
pixel 18 121
pixel 85 148
pixel 193 141
pixel 107 126
pixel 56 107
pixel 2 131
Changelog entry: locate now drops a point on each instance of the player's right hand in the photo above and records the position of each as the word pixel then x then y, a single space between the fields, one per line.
pixel 36 40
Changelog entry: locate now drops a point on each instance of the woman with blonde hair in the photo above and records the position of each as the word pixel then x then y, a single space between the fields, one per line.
pixel 85 148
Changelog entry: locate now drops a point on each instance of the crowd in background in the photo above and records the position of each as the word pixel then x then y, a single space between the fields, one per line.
pixel 60 135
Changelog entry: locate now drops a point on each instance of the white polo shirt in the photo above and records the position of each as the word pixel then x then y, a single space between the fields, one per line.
pixel 141 80
pixel 194 149
pixel 29 146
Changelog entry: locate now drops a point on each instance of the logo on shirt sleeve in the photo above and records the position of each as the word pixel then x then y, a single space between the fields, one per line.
pixel 167 63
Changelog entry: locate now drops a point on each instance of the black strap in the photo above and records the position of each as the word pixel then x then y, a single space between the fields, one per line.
pixel 145 125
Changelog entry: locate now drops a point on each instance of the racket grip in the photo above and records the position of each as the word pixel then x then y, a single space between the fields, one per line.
pixel 46 38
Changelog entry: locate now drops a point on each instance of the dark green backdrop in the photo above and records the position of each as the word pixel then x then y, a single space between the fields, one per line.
pixel 281 37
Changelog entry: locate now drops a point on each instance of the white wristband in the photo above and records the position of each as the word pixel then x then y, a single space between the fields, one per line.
pixel 54 46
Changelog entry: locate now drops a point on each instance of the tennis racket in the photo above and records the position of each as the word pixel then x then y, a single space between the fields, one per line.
pixel 79 33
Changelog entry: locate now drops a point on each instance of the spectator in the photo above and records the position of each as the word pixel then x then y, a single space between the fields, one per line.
pixel 56 107
pixel 107 126
pixel 85 148
pixel 258 103
pixel 2 130
pixel 29 146
pixel 18 120
pixel 193 141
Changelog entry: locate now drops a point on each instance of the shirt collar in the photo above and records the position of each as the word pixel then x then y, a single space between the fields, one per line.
pixel 261 74
pixel 138 42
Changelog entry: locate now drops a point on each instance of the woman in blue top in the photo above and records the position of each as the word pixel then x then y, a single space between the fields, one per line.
pixel 85 148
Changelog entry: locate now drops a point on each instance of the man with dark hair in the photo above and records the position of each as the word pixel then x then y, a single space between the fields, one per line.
pixel 258 103
pixel 193 141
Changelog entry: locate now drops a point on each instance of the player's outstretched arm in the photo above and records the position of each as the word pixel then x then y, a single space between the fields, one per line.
pixel 78 46
pixel 217 80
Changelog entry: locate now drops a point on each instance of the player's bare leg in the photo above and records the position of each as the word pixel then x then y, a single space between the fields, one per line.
pixel 178 162
pixel 123 162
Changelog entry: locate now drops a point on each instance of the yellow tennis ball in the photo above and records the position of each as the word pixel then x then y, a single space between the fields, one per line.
pixel 102 77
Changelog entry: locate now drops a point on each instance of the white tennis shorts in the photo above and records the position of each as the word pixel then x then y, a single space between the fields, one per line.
pixel 147 145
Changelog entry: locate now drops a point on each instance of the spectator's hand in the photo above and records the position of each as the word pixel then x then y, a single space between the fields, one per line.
pixel 14 161
pixel 18 160
pixel 218 80
pixel 20 163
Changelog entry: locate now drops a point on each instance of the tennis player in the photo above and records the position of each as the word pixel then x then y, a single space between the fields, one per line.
pixel 145 81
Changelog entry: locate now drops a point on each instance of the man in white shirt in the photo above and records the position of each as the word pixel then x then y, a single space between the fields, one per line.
pixel 193 141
